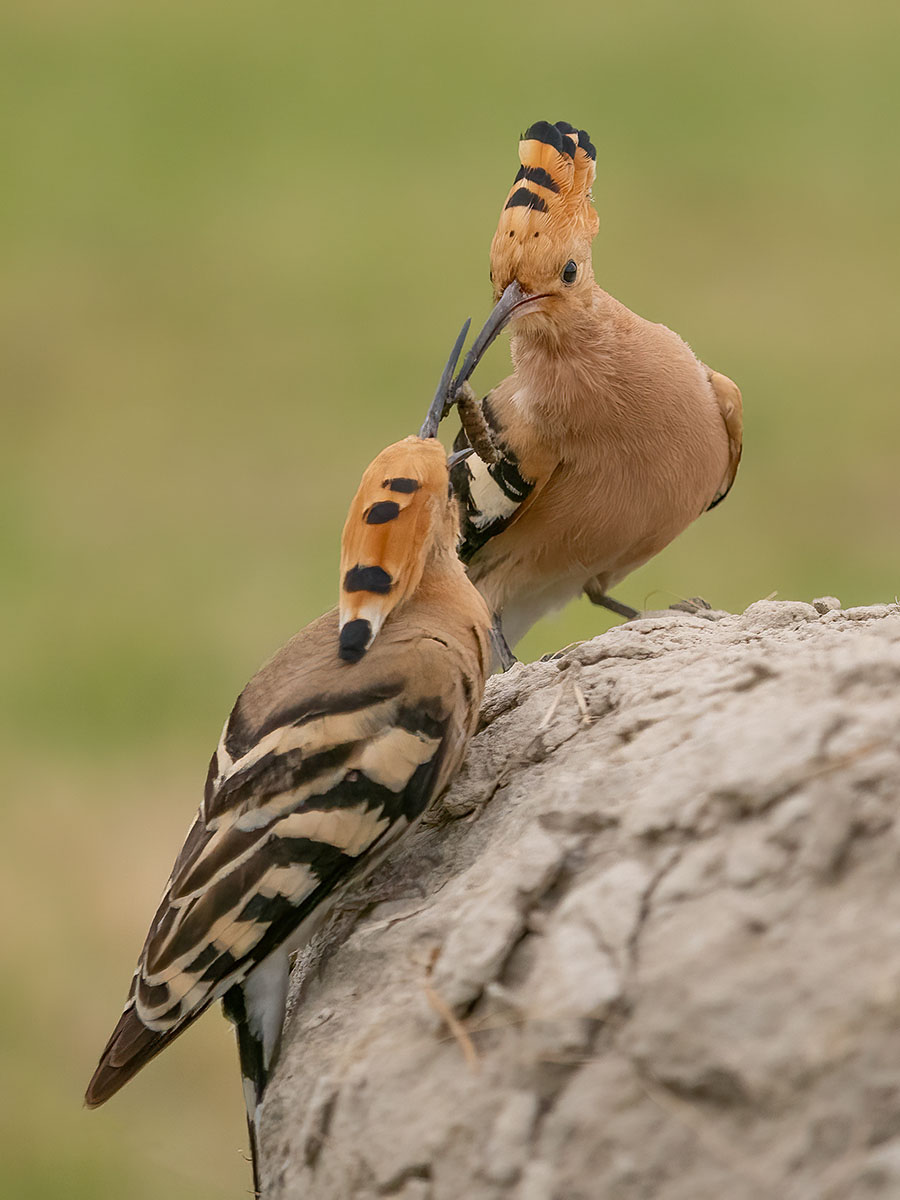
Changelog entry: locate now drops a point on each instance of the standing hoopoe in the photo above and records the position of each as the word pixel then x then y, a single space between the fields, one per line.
pixel 334 748
pixel 608 439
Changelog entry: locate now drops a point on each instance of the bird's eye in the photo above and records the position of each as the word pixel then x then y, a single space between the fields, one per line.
pixel 569 271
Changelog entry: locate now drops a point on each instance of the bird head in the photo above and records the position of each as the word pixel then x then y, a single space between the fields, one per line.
pixel 402 518
pixel 543 239
pixel 541 252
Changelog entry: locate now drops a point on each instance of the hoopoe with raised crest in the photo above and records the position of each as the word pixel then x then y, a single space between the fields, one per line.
pixel 335 747
pixel 609 438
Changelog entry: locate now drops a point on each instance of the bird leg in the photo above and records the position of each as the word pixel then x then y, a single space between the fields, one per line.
pixel 502 652
pixel 475 426
pixel 596 595
pixel 696 605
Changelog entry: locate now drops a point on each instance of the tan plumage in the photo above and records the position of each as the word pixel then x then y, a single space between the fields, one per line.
pixel 610 436
pixel 558 176
pixel 331 751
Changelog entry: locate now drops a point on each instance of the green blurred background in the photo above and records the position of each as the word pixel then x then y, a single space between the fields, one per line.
pixel 237 242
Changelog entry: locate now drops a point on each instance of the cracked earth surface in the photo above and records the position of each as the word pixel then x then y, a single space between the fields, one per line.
pixel 647 949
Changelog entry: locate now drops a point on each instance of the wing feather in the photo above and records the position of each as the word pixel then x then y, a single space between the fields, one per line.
pixel 280 829
pixel 728 396
pixel 492 495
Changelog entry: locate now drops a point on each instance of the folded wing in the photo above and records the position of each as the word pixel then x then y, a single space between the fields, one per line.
pixel 299 797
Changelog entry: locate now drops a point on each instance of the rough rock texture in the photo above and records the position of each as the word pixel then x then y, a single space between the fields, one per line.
pixel 650 948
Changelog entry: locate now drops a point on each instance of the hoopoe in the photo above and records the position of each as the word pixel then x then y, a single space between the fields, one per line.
pixel 333 749
pixel 609 438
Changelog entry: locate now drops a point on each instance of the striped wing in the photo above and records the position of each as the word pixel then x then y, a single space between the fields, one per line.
pixel 295 804
pixel 491 496
pixel 728 397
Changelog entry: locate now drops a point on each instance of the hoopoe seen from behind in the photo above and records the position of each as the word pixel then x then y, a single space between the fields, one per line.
pixel 333 749
pixel 609 438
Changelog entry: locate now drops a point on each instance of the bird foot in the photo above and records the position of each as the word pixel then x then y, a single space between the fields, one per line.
pixel 696 606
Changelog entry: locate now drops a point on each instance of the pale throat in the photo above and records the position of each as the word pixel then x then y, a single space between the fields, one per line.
pixel 559 363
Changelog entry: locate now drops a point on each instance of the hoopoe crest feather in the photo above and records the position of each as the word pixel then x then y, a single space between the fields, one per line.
pixel 548 216
pixel 399 509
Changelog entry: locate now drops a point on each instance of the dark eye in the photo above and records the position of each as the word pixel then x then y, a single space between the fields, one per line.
pixel 569 271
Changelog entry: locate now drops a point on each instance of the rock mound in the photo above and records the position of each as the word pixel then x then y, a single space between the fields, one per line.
pixel 649 948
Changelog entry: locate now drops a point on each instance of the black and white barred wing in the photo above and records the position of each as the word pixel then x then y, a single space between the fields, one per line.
pixel 493 495
pixel 293 809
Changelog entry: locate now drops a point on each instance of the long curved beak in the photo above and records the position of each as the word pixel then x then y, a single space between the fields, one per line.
pixel 459 456
pixel 442 398
pixel 513 299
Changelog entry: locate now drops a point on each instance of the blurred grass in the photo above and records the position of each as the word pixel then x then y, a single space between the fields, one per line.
pixel 237 244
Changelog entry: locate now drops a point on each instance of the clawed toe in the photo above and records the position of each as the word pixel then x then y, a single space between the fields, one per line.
pixel 695 605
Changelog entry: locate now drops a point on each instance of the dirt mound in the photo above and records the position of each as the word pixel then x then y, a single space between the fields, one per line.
pixel 648 950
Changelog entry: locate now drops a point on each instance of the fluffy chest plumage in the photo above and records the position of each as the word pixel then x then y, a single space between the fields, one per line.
pixel 593 485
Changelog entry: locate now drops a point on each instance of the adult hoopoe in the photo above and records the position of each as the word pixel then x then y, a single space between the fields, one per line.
pixel 608 439
pixel 334 748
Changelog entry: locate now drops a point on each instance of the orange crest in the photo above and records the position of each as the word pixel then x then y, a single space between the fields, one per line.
pixel 388 535
pixel 550 198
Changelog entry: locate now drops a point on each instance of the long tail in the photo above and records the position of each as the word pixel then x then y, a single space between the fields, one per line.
pixel 253 1072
